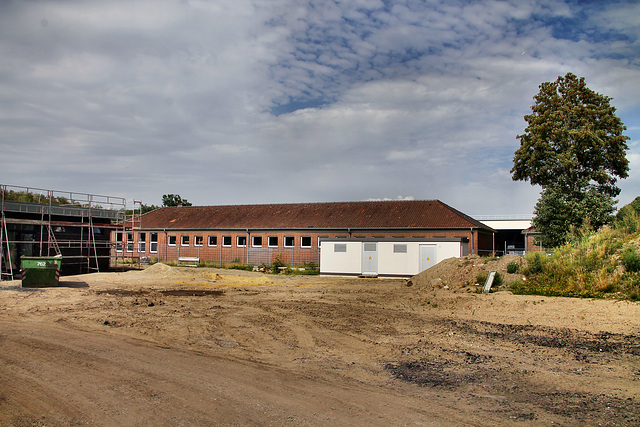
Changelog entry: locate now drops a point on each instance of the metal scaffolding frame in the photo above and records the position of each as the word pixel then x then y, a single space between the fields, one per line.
pixel 93 212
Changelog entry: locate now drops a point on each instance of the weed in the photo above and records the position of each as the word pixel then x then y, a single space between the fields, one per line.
pixel 513 267
pixel 631 260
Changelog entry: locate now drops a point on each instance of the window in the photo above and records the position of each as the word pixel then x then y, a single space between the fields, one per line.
pixel 305 241
pixel 197 241
pixel 340 247
pixel 241 241
pixel 273 241
pixel 399 249
pixel 119 241
pixel 171 241
pixel 370 247
pixel 289 241
pixel 226 241
pixel 184 240
pixel 129 242
pixel 213 240
pixel 256 241
pixel 154 243
pixel 142 242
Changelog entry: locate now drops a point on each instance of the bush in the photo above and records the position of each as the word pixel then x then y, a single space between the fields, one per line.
pixel 513 267
pixel 536 262
pixel 631 260
pixel 275 267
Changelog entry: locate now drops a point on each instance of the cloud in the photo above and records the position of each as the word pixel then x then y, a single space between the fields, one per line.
pixel 286 101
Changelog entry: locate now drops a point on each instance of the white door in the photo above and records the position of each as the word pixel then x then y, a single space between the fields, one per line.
pixel 370 259
pixel 428 256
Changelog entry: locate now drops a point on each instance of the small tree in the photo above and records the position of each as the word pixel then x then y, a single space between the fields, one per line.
pixel 574 148
pixel 174 200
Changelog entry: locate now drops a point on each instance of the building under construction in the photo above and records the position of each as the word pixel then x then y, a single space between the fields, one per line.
pixel 77 226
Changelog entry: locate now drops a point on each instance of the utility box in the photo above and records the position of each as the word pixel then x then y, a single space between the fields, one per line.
pixel 39 272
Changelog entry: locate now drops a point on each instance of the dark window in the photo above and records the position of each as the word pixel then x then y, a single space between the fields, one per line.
pixel 198 241
pixel 119 241
pixel 213 240
pixel 184 240
pixel 226 241
pixel 289 241
pixel 256 241
pixel 273 241
pixel 142 240
pixel 154 243
pixel 241 241
pixel 305 241
pixel 172 240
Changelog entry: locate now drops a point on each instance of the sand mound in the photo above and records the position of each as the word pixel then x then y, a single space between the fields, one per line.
pixel 457 273
pixel 158 269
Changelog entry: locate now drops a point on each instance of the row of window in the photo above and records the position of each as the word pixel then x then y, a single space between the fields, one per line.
pixel 241 241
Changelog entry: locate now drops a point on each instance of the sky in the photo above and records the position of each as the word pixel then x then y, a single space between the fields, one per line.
pixel 287 101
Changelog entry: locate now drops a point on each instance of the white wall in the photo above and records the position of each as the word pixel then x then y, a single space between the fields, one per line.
pixel 389 263
pixel 349 262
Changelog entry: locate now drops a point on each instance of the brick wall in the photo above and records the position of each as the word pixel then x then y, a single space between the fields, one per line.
pixel 254 248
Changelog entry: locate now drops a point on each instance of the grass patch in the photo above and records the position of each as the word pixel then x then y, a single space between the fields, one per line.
pixel 603 264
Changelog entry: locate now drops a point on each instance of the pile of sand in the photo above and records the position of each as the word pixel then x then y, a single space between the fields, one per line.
pixel 158 269
pixel 457 273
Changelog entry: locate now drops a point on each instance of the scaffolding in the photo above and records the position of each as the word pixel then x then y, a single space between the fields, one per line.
pixel 42 222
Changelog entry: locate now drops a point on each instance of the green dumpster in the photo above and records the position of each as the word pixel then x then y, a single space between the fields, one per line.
pixel 39 272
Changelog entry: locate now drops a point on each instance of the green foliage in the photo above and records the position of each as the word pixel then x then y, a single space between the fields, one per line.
pixel 277 263
pixel 628 217
pixel 631 260
pixel 174 200
pixel 574 148
pixel 535 263
pixel 588 265
pixel 558 211
pixel 28 197
pixel 481 278
pixel 147 208
pixel 513 267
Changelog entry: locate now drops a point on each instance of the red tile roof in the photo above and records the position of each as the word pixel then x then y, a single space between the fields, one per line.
pixel 425 214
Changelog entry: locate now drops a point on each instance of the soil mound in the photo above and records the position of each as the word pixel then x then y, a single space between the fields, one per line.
pixel 456 273
pixel 158 269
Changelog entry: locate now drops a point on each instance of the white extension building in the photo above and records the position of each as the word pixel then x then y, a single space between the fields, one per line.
pixel 390 257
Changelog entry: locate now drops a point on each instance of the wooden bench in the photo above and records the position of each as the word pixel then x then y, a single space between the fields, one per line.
pixel 189 261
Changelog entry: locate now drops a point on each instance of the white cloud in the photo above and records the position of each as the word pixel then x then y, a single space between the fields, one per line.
pixel 421 98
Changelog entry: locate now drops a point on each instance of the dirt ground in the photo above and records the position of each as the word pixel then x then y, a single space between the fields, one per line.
pixel 185 346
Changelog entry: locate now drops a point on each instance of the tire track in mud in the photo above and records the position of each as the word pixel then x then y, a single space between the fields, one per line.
pixel 490 374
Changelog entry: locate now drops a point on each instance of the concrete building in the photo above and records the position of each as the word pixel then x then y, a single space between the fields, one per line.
pixel 387 257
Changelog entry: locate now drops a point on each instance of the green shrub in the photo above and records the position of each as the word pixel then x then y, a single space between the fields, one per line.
pixel 481 278
pixel 497 280
pixel 275 266
pixel 513 267
pixel 631 260
pixel 536 261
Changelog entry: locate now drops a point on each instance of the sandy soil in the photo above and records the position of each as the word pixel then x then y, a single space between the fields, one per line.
pixel 184 346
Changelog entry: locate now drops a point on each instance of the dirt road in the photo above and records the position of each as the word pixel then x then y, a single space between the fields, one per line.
pixel 188 346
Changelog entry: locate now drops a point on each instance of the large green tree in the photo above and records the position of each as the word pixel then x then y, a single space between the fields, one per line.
pixel 574 148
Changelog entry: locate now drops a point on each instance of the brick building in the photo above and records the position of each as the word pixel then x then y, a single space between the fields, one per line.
pixel 257 234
